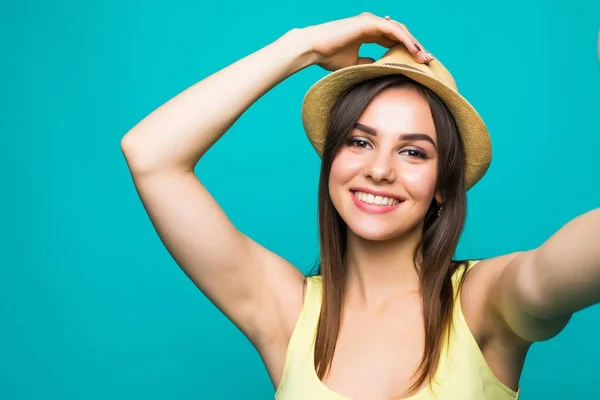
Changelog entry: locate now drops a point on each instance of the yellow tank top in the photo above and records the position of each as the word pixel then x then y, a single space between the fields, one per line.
pixel 462 374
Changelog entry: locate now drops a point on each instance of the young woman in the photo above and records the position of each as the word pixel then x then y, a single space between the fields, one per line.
pixel 391 315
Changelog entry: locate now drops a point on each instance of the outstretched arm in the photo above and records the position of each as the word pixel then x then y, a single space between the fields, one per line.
pixel 538 291
pixel 567 267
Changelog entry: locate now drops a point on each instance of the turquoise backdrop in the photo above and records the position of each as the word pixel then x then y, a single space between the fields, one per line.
pixel 91 304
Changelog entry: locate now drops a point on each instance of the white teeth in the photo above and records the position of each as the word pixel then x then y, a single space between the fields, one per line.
pixel 378 200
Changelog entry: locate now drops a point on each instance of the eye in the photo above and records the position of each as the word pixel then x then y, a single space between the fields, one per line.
pixel 415 153
pixel 359 142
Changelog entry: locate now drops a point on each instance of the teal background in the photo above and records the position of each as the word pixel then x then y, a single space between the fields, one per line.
pixel 91 304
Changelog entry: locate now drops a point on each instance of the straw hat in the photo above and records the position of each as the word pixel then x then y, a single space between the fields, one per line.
pixel 323 95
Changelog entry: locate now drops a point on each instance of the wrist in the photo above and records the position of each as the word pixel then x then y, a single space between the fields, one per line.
pixel 298 43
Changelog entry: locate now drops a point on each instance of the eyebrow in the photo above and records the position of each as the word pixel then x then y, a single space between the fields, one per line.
pixel 403 136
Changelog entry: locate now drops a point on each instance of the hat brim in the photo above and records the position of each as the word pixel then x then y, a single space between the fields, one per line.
pixel 323 95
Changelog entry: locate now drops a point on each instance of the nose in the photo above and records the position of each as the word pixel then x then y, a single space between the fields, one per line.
pixel 380 168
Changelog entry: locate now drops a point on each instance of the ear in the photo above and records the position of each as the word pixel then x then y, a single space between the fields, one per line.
pixel 438 198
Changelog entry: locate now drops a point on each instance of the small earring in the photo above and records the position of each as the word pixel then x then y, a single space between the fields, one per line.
pixel 440 208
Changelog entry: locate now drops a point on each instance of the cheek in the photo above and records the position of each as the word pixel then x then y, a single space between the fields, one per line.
pixel 343 169
pixel 420 182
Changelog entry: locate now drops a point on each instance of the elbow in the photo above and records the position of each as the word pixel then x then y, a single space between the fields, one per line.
pixel 129 149
pixel 126 146
pixel 140 159
pixel 149 155
pixel 136 161
pixel 534 291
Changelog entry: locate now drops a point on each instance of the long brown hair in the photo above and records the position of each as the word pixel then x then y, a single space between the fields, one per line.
pixel 440 234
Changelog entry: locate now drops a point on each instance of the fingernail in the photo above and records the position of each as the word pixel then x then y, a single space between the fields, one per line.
pixel 430 55
pixel 417 46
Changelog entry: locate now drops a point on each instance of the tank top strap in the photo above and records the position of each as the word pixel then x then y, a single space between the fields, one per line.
pixel 460 272
pixel 298 369
pixel 464 356
pixel 311 308
pixel 303 338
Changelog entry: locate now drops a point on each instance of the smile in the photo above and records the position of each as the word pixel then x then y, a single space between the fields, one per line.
pixel 375 204
pixel 377 200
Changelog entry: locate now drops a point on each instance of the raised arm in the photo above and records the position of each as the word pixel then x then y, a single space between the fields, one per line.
pixel 252 286
pixel 259 291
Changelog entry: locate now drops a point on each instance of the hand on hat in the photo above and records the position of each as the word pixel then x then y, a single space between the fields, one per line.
pixel 336 44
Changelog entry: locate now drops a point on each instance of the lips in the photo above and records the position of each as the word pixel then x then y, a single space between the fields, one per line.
pixel 375 203
pixel 379 200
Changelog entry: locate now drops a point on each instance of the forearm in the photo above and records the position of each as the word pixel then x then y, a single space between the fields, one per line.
pixel 567 266
pixel 178 133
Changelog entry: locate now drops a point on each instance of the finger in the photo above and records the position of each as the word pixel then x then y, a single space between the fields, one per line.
pixel 392 30
pixel 382 29
pixel 381 40
pixel 374 28
pixel 395 30
pixel 385 41
pixel 365 60
pixel 424 53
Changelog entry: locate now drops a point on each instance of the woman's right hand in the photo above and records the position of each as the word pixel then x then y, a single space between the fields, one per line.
pixel 336 44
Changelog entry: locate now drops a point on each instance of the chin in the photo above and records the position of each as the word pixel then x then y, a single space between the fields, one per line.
pixel 381 227
pixel 377 232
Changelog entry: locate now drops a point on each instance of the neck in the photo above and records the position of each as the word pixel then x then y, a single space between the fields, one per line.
pixel 379 271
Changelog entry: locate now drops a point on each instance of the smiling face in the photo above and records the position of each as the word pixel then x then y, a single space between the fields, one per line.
pixel 383 179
